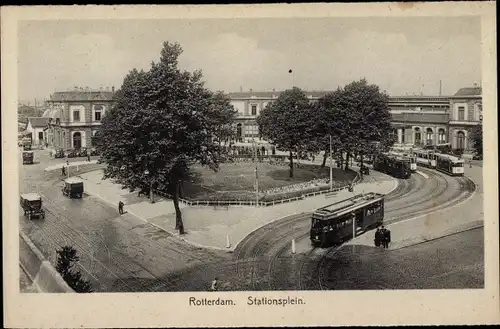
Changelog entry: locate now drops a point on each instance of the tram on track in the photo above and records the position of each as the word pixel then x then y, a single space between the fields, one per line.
pixel 407 157
pixel 393 165
pixel 450 164
pixel 425 158
pixel 333 224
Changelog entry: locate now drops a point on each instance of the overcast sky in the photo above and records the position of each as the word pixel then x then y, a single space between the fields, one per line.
pixel 401 55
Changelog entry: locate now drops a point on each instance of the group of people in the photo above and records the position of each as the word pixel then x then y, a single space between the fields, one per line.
pixel 382 237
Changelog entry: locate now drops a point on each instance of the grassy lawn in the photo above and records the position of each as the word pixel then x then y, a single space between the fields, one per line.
pixel 236 181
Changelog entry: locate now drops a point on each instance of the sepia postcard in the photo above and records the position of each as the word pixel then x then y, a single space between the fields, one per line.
pixel 250 165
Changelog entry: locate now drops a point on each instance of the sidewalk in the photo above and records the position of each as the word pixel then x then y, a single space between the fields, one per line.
pixel 209 226
pixel 463 216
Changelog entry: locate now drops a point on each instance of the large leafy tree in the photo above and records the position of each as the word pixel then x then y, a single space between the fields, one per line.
pixel 164 121
pixel 477 139
pixel 287 123
pixel 364 118
pixel 222 118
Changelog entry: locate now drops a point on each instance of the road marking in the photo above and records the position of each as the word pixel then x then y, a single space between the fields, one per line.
pixel 422 174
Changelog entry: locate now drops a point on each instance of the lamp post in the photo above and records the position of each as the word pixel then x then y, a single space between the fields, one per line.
pixel 256 187
pixel 331 164
pixel 151 194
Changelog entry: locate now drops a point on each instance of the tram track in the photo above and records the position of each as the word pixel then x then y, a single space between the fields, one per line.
pixel 310 263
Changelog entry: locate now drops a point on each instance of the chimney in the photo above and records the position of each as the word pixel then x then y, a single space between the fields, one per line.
pixel 113 89
pixel 250 89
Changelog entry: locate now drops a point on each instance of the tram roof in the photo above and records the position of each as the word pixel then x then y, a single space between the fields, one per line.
pixel 345 206
pixel 450 157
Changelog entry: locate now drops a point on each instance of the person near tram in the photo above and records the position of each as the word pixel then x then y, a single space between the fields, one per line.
pixel 378 237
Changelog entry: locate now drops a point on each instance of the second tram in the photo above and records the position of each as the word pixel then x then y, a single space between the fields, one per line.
pixel 425 158
pixel 334 224
pixel 450 164
pixel 395 166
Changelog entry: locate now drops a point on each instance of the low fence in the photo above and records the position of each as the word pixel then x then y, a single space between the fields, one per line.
pixel 226 203
pixel 42 274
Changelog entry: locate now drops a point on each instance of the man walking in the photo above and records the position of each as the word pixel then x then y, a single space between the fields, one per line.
pixel 213 287
pixel 63 170
pixel 88 157
pixel 387 238
pixel 120 207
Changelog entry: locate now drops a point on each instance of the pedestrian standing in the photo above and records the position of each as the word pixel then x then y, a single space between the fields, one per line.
pixel 383 237
pixel 387 237
pixel 213 287
pixel 63 170
pixel 88 157
pixel 120 207
pixel 377 237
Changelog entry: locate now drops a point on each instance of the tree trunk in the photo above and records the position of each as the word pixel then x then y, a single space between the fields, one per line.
pixel 325 155
pixel 179 225
pixel 347 161
pixel 291 164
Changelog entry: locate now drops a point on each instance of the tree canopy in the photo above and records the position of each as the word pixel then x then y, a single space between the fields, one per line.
pixel 163 122
pixel 287 123
pixel 477 139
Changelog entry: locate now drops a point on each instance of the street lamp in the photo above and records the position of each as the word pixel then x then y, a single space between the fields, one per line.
pixel 256 187
pixel 151 194
pixel 331 164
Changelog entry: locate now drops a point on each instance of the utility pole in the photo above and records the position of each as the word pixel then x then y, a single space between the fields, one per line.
pixel 256 187
pixel 331 164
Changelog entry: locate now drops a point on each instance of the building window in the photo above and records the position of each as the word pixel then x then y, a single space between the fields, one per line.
pixel 461 113
pixel 251 131
pixel 429 133
pixel 254 109
pixel 40 136
pixel 76 116
pixel 418 137
pixel 98 116
pixel 460 140
pixel 441 136
pixel 58 121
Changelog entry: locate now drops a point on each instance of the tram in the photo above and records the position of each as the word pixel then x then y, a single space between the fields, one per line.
pixel 334 224
pixel 425 158
pixel 450 164
pixel 407 157
pixel 395 166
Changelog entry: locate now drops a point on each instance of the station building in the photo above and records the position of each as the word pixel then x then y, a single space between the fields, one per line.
pixel 75 116
pixel 416 120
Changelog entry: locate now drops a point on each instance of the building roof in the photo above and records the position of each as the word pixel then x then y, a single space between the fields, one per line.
pixel 38 122
pixel 82 95
pixel 469 91
pixel 423 117
pixel 269 94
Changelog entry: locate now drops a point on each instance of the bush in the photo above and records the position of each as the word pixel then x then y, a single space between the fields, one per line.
pixel 66 260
